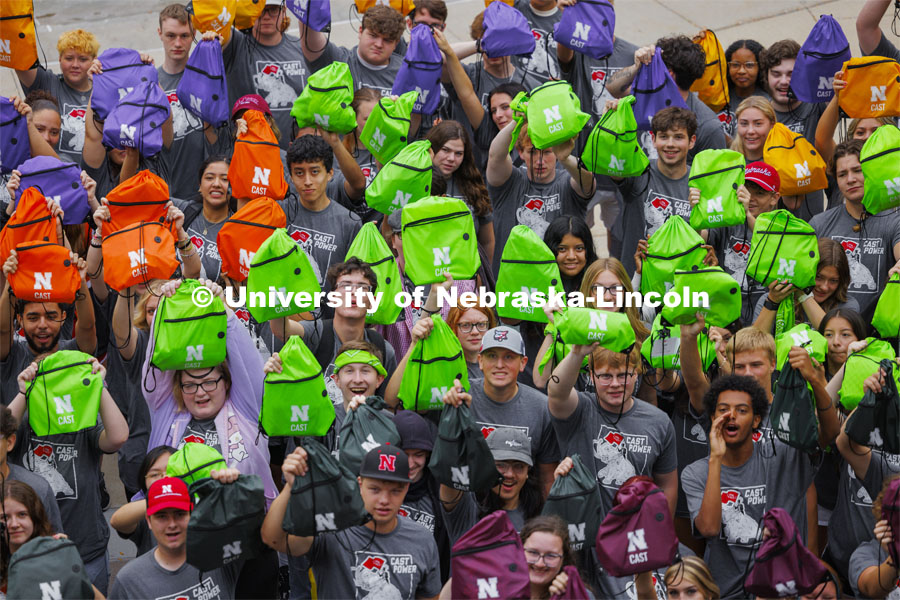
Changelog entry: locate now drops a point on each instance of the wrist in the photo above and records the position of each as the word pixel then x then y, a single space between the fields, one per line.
pixel 804 298
pixel 770 304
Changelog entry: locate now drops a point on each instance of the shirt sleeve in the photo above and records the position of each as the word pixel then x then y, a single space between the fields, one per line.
pixel 43 81
pixel 630 185
pixel 693 482
pixel 430 584
pixel 462 518
pixel 549 451
pixel 885 48
pixel 246 368
pixel 332 53
pixel 668 457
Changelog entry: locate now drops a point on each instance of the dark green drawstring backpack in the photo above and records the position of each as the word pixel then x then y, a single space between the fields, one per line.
pixel 876 421
pixel 801 335
pixel 461 458
pixel 194 462
pixel 783 247
pixel 363 429
pixel 225 523
pixel 387 129
pixel 717 174
pixel 406 178
pixel 325 101
pixel 588 325
pixel 280 265
pixel 527 265
pixel 64 396
pixel 674 246
pixel 886 319
pixel 295 401
pixel 439 237
pixel 662 349
pixel 370 247
pixel 553 113
pixel 576 498
pixel 613 147
pixel 723 292
pixel 44 567
pixel 326 499
pixel 433 365
pixel 859 366
pixel 793 415
pixel 880 162
pixel 185 335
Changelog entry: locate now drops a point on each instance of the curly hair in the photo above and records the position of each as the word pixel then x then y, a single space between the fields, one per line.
pixel 774 54
pixel 469 178
pixel 684 58
pixel 310 149
pixel 78 40
pixel 753 46
pixel 42 100
pixel 737 383
pixel 384 21
pixel 674 117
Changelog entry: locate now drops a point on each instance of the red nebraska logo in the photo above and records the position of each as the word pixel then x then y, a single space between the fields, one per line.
pixel 43 451
pixel 197 241
pixel 402 512
pixel 660 203
pixel 173 98
pixel 243 314
pixel 729 496
pixel 757 435
pixel 78 113
pixel 270 70
pixel 374 563
pixel 849 245
pixel 725 118
pixel 535 204
pixel 194 439
pixel 386 462
pixel 741 248
pixel 486 431
pixel 300 236
pixel 614 438
pixel 366 171
pixel 537 35
pixel 598 75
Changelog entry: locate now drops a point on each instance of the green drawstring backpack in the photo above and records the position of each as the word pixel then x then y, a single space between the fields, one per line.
pixel 674 246
pixel 461 458
pixel 433 365
pixel 613 148
pixel 783 247
pixel 387 129
pixel 553 113
pixel 793 414
pixel 64 396
pixel 369 247
pixel 880 161
pixel 295 402
pixel 886 319
pixel 186 336
pixel 325 499
pixel 662 350
pixel 280 266
pixel 724 293
pixel 404 179
pixel 325 101
pixel 588 325
pixel 527 265
pixel 804 336
pixel 558 350
pixel 575 498
pixel 194 462
pixel 859 366
pixel 364 429
pixel 717 174
pixel 876 421
pixel 439 237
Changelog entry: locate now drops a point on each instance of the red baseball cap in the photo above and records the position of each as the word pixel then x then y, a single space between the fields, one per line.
pixel 168 492
pixel 253 102
pixel 763 175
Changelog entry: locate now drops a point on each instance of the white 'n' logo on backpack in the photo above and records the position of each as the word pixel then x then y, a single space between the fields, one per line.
pixel 487 588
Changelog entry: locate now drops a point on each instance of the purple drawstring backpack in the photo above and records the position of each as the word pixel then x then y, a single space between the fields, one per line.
pixel 203 90
pixel 421 71
pixel 122 72
pixel 14 145
pixel 58 180
pixel 506 32
pixel 783 565
pixel 136 121
pixel 315 14
pixel 823 53
pixel 588 28
pixel 638 533
pixel 890 512
pixel 575 588
pixel 654 89
pixel 488 561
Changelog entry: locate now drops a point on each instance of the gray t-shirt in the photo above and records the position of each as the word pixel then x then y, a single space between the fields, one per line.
pixel 768 479
pixel 454 191
pixel 72 107
pixel 43 490
pixel 526 411
pixel 588 77
pixel 379 79
pixel 359 563
pixel 18 359
pixel 709 130
pixel 144 577
pixel 203 234
pixel 727 115
pixel 870 251
pixel 869 554
pixel 885 48
pixel 188 149
pixel 465 515
pixel 483 82
pixel 803 119
pixel 543 63
pixel 649 200
pixel 277 73
pixel 732 246
pixel 201 431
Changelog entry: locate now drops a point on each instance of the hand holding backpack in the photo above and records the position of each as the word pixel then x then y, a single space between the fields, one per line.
pixel 589 28
pixel 46 273
pixel 613 147
pixel 880 162
pixel 370 247
pixel 712 86
pixel 575 498
pixel 421 70
pixel 859 366
pixel 793 414
pixel 488 561
pixel 59 180
pixel 526 265
pixel 654 90
pixel 123 71
pixel 14 145
pixel 821 55
pixel 295 401
pixel 506 32
pixel 64 396
pixel 461 458
pixel 279 264
pixel 363 429
pixel 185 335
pixel 876 421
pixel 44 563
pixel 873 88
pixel 203 90
pixel 886 319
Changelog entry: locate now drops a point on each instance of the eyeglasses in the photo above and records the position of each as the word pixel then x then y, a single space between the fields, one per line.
pixel 208 386
pixel 349 287
pixel 737 65
pixel 607 378
pixel 467 327
pixel 438 26
pixel 551 559
pixel 612 289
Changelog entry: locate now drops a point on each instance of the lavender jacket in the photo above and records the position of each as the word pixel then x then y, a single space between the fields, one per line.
pixel 238 421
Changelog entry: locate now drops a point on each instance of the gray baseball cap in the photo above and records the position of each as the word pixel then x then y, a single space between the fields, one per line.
pixel 510 443
pixel 503 337
pixel 394 220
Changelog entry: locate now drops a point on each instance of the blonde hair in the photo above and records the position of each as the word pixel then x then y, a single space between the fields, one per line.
pixel 618 269
pixel 80 41
pixel 523 138
pixel 750 339
pixel 760 104
pixel 854 123
pixel 601 357
pixel 139 316
pixel 694 570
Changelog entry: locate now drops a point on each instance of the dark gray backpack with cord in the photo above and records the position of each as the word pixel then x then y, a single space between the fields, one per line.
pixel 48 568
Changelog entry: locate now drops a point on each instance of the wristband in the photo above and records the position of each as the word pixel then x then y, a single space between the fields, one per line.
pixel 770 304
pixel 804 298
pixel 183 245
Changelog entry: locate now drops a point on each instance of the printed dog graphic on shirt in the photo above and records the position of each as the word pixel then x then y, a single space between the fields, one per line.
pixel 737 526
pixel 374 577
pixel 45 466
pixel 736 260
pixel 860 276
pixel 656 211
pixel 532 215
pixel 609 449
pixel 540 62
pixel 271 87
pixel 182 121
pixel 73 124
pixel 698 433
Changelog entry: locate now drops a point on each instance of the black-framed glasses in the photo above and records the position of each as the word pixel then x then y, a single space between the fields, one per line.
pixel 551 559
pixel 607 378
pixel 749 65
pixel 208 386
pixel 612 289
pixel 467 327
pixel 350 287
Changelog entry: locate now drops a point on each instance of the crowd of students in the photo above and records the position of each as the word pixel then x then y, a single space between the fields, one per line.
pixel 700 432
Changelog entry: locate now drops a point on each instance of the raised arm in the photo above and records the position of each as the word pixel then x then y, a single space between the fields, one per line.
pixel 499 164
pixel 581 180
pixel 312 43
pixel 115 427
pixel 828 122
pixel 868 28
pixel 620 82
pixel 93 151
pixel 39 146
pixel 420 331
pixel 85 324
pixel 354 180
pixel 691 364
pixel 708 521
pixel 461 83
pixel 562 398
pixel 295 465
pixel 814 374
